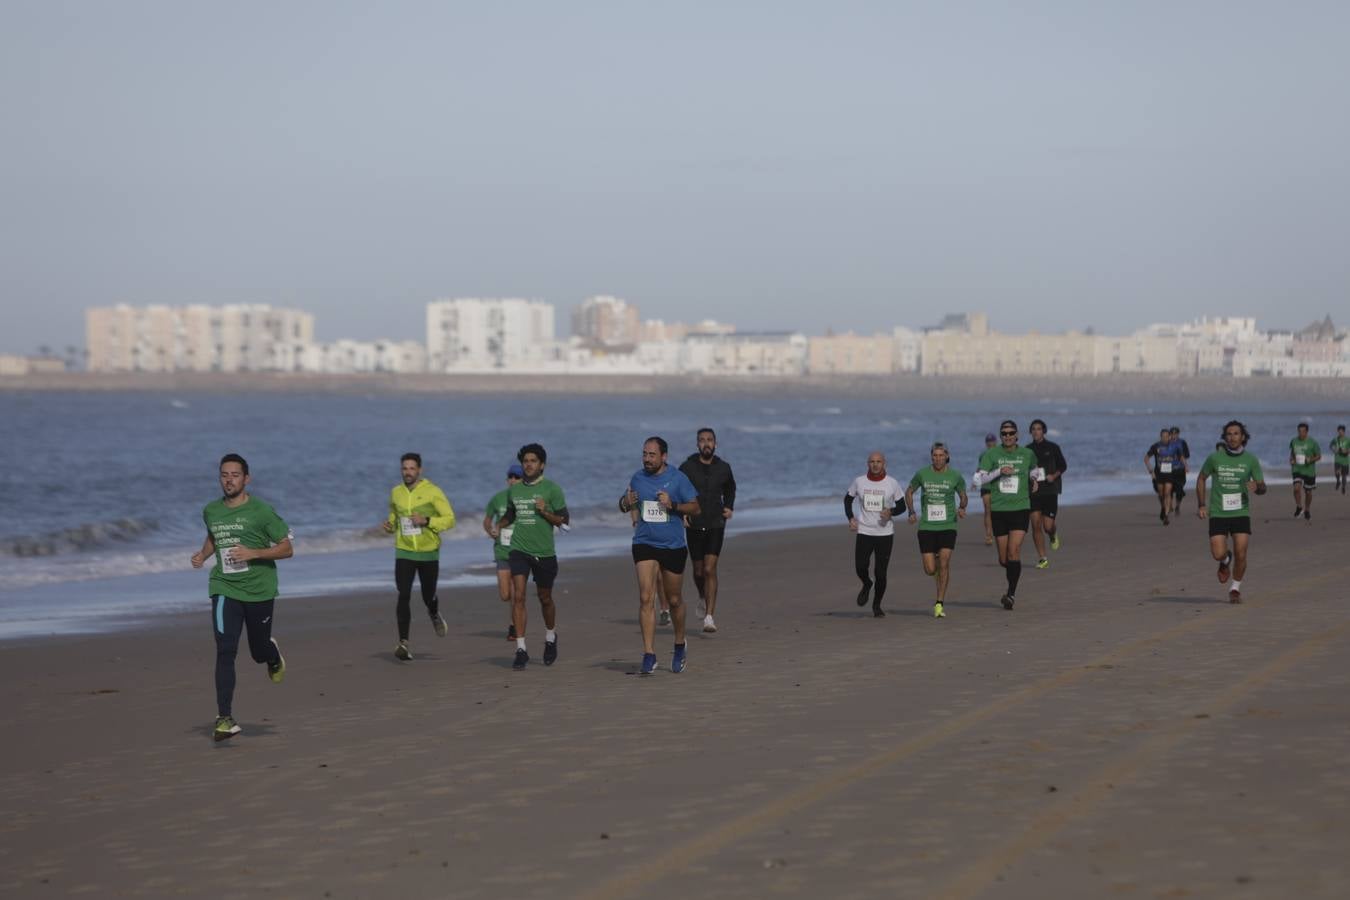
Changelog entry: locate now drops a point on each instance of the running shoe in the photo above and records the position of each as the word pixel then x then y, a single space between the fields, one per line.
pixel 522 659
pixel 277 670
pixel 878 612
pixel 1307 515
pixel 511 632
pixel 862 595
pixel 225 729
pixel 550 652
pixel 1298 511
pixel 648 663
pixel 678 659
pixel 709 626
pixel 938 611
pixel 1007 600
pixel 1234 597
pixel 1223 569
pixel 1042 563
pixel 402 651
pixel 664 618
pixel 439 624
pixel 1054 541
pixel 1166 520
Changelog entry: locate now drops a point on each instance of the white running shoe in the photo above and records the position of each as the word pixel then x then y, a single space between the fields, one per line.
pixel 709 625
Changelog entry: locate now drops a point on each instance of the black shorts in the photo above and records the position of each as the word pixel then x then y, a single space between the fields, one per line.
pixel 1010 520
pixel 933 541
pixel 1045 503
pixel 543 568
pixel 1308 481
pixel 1179 480
pixel 671 559
pixel 1226 525
pixel 1342 468
pixel 704 542
pixel 1160 480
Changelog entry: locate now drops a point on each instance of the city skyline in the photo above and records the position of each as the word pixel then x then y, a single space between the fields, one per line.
pixel 786 166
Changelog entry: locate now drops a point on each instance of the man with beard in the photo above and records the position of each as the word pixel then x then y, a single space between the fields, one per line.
pixel 1050 468
pixel 247 537
pixel 661 495
pixel 1236 474
pixel 418 513
pixel 704 533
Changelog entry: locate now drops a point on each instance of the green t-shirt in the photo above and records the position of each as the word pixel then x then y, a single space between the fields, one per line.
pixel 1228 488
pixel 530 532
pixel 254 525
pixel 941 495
pixel 1009 493
pixel 1340 446
pixel 1306 449
pixel 496 508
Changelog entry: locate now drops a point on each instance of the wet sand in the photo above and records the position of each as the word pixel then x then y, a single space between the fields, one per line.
pixel 1125 731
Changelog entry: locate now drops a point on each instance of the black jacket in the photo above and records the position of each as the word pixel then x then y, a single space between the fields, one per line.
pixel 716 489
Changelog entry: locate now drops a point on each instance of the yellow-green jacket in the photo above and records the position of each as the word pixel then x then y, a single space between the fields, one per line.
pixel 423 499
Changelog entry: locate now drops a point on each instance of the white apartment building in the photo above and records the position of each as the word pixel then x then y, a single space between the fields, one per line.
pixel 232 338
pixel 348 356
pixel 907 349
pixel 604 321
pixel 489 335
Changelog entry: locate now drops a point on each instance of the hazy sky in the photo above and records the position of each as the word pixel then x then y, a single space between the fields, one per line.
pixel 775 164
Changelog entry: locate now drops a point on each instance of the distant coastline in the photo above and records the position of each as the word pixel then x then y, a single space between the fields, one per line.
pixel 1142 387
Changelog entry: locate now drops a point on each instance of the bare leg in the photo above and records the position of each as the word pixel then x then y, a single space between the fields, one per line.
pixel 708 588
pixel 546 605
pixel 672 584
pixel 1037 536
pixel 1240 556
pixel 944 573
pixel 518 604
pixel 648 571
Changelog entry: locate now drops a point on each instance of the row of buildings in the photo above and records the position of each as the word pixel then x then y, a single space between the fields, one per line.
pixel 512 335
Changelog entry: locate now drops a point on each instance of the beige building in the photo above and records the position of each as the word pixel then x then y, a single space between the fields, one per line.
pixel 472 334
pixel 975 350
pixel 851 354
pixel 232 338
pixel 606 322
pixel 745 353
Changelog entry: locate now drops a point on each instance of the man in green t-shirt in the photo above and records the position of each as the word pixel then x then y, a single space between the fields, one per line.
pixel 535 506
pixel 1340 450
pixel 1236 474
pixel 1304 452
pixel 942 489
pixel 246 537
pixel 1006 470
pixel 501 540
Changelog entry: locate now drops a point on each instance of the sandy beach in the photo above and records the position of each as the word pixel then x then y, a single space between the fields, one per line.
pixel 1125 731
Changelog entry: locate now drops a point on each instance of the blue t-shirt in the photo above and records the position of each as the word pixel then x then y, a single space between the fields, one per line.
pixel 657 526
pixel 1168 452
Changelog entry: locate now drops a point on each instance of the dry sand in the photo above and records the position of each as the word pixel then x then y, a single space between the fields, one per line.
pixel 1124 732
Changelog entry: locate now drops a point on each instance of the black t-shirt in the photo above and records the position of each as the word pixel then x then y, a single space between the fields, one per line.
pixel 1051 459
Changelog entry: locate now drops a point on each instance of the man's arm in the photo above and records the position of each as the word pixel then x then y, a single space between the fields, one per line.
pixel 729 492
pixel 444 519
pixel 282 549
pixel 1201 509
pixel 208 548
pixel 909 501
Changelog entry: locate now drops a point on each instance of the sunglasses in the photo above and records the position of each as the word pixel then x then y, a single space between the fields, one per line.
pixel 1006 433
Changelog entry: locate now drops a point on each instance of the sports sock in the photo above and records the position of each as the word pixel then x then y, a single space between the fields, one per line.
pixel 1014 573
pixel 550 636
pixel 1237 585
pixel 520 643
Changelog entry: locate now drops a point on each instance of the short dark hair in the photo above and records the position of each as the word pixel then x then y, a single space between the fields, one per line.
pixel 1040 422
pixel 235 458
pixel 1175 430
pixel 415 457
pixel 1007 422
pixel 658 441
pixel 537 449
pixel 1302 424
pixel 705 430
pixel 1340 427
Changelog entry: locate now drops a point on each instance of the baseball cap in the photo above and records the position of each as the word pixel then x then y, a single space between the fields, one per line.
pixel 515 472
pixel 990 437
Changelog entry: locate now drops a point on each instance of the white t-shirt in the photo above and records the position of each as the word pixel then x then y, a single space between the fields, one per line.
pixel 869 499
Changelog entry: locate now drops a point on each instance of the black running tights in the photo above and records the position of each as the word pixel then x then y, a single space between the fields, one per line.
pixel 863 549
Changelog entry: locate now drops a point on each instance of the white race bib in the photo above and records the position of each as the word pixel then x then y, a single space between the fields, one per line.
pixel 228 564
pixel 1037 474
pixel 1007 484
pixel 654 512
pixel 937 512
pixel 873 500
pixel 1231 502
pixel 504 537
pixel 1300 459
pixel 1165 468
pixel 407 528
